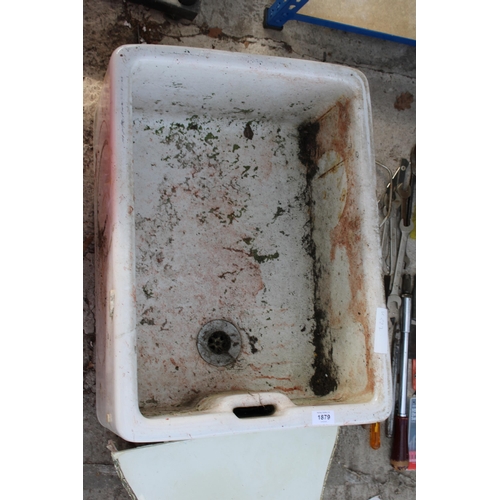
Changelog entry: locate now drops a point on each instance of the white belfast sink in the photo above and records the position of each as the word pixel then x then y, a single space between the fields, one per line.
pixel 238 274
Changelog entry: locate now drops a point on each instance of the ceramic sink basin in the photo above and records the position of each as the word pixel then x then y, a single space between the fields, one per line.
pixel 238 275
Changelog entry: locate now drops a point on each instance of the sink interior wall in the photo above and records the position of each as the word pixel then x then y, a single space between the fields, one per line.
pixel 232 224
pixel 230 90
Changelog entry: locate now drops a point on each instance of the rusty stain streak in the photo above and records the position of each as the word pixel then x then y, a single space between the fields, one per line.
pixel 236 250
pixel 288 389
pixel 331 132
pixel 334 131
pixel 347 234
pixel 268 365
pixel 341 139
pixel 273 378
pixel 332 169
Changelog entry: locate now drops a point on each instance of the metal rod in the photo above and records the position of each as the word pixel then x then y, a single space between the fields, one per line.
pixel 405 337
pixel 395 367
pixel 389 188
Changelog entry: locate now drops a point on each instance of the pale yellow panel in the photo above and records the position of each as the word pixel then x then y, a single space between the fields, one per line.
pixel 393 17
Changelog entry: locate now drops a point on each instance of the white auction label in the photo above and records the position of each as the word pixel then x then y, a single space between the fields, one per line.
pixel 322 418
pixel 381 342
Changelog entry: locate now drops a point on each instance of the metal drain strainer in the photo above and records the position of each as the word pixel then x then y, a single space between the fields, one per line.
pixel 219 342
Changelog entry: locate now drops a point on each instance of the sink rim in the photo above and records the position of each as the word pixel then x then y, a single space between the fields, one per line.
pixel 117 401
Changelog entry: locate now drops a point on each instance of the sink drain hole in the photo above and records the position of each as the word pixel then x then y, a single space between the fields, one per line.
pixel 254 411
pixel 219 342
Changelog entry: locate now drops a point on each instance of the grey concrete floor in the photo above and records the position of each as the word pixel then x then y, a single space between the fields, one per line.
pixel 357 472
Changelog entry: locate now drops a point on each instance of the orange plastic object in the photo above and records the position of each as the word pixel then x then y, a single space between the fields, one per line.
pixel 375 436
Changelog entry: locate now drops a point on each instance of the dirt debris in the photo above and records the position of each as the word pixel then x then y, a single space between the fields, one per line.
pixel 214 32
pixel 403 101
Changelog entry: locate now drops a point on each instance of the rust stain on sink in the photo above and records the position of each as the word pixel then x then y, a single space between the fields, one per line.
pixel 347 233
pixel 332 132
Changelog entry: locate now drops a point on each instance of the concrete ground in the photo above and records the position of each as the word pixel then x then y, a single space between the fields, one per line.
pixel 358 472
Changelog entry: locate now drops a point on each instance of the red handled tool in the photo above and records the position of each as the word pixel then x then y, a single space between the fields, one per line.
pixel 399 454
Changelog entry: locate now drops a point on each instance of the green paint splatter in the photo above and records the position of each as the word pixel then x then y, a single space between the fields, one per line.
pixel 263 258
pixel 236 214
pixel 244 111
pixel 279 211
pixel 247 168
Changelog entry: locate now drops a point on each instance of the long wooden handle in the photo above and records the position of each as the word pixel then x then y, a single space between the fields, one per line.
pixel 399 454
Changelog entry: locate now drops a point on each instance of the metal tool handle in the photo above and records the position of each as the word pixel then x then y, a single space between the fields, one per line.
pixel 399 455
pixel 405 341
pixel 398 272
pixel 389 429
